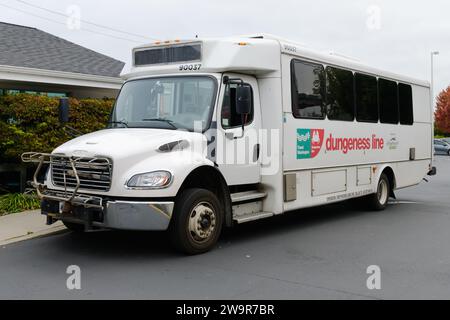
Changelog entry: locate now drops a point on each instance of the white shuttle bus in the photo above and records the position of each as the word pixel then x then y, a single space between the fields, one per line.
pixel 208 133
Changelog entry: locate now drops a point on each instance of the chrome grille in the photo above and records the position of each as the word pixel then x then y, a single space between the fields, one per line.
pixel 93 173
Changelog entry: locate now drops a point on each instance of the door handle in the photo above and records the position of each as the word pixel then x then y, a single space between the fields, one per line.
pixel 229 135
pixel 256 152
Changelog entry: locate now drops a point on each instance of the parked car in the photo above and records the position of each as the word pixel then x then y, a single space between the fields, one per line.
pixel 446 140
pixel 441 147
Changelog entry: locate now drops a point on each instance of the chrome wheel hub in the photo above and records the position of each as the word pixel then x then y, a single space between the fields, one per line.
pixel 202 222
pixel 382 192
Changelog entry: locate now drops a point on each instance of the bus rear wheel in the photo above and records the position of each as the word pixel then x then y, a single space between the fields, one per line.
pixel 378 201
pixel 196 222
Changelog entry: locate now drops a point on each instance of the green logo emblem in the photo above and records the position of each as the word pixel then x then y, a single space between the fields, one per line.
pixel 303 143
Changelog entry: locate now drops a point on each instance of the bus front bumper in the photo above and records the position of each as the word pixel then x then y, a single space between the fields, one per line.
pixel 120 215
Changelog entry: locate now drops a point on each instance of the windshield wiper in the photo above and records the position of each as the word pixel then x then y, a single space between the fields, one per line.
pixel 119 122
pixel 169 122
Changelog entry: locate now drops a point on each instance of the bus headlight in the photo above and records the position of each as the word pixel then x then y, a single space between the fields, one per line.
pixel 150 180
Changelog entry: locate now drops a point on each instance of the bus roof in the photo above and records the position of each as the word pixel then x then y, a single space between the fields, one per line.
pixel 258 54
pixel 332 58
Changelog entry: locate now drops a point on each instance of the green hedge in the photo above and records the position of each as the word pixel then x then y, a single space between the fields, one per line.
pixel 17 202
pixel 30 123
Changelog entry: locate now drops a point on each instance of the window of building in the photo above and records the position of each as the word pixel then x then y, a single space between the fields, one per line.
pixel 229 117
pixel 406 104
pixel 55 95
pixel 48 94
pixel 308 90
pixel 10 181
pixel 388 97
pixel 340 94
pixel 366 98
pixel 12 92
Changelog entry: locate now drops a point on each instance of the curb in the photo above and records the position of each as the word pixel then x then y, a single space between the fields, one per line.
pixel 34 235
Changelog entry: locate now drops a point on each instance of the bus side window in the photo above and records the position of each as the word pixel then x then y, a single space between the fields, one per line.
pixel 388 95
pixel 406 104
pixel 229 117
pixel 366 98
pixel 340 94
pixel 308 90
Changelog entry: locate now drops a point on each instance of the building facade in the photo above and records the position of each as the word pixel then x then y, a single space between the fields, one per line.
pixel 36 62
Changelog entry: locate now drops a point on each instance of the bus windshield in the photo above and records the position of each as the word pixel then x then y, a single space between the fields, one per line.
pixel 184 102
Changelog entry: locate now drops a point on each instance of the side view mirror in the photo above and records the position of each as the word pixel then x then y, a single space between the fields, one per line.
pixel 243 99
pixel 63 110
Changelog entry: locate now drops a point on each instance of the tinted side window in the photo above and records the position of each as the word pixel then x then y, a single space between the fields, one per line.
pixel 340 95
pixel 308 88
pixel 229 117
pixel 388 97
pixel 366 98
pixel 406 104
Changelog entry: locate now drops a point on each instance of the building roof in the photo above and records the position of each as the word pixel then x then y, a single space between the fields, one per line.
pixel 28 47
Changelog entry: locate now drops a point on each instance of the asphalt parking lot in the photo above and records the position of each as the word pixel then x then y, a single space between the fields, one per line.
pixel 319 253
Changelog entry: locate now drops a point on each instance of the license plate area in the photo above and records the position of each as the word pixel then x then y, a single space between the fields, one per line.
pixel 65 208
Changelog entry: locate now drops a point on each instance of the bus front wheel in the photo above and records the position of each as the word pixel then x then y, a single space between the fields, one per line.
pixel 196 222
pixel 378 201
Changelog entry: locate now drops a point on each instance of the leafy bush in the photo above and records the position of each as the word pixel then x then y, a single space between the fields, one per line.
pixel 30 123
pixel 17 202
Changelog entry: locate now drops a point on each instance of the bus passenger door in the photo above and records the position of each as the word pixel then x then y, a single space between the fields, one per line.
pixel 238 150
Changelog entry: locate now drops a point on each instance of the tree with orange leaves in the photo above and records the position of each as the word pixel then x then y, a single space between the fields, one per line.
pixel 442 113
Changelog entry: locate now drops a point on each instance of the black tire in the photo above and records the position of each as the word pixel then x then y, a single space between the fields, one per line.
pixel 379 200
pixel 196 221
pixel 75 227
pixel 448 152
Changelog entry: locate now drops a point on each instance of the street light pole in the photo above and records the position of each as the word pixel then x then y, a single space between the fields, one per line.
pixel 433 53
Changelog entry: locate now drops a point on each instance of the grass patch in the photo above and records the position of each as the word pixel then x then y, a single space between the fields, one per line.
pixel 17 202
